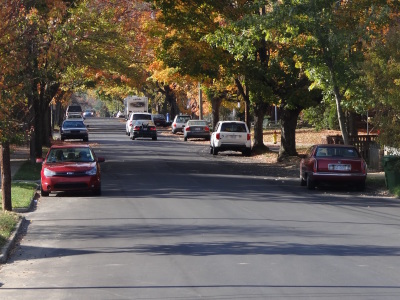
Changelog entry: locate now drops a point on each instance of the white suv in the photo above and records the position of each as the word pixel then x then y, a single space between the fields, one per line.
pixel 136 116
pixel 231 135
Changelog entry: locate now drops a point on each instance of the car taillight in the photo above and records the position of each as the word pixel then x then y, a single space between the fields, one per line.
pixel 174 125
pixel 315 167
pixel 248 137
pixel 217 136
pixel 363 167
pixel 136 128
pixel 187 128
pixel 206 128
pixel 152 128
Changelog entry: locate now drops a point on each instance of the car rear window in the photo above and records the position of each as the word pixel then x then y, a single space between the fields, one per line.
pixel 141 117
pixel 198 123
pixel 182 119
pixel 349 152
pixel 233 127
pixel 74 108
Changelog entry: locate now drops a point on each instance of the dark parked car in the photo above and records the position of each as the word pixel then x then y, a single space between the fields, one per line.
pixel 196 129
pixel 74 129
pixel 333 164
pixel 159 120
pixel 144 129
pixel 70 168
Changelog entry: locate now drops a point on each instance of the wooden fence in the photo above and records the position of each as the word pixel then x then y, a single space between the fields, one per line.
pixel 363 143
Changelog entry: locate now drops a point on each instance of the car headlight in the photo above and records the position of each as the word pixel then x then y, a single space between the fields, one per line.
pixel 48 173
pixel 92 171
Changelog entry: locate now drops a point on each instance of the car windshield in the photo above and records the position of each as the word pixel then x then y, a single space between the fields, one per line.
pixel 73 124
pixel 336 152
pixel 233 127
pixel 70 154
pixel 182 119
pixel 141 117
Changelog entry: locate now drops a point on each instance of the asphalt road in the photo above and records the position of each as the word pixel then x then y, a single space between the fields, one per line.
pixel 175 222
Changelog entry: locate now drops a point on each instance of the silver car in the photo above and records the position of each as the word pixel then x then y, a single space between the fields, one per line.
pixel 179 122
pixel 196 129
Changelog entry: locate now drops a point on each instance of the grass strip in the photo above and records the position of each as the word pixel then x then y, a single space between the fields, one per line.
pixel 8 221
pixel 28 171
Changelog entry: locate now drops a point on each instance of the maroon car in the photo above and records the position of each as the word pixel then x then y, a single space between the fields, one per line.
pixel 70 167
pixel 327 163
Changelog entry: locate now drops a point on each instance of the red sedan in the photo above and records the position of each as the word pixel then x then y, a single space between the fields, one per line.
pixel 70 168
pixel 333 164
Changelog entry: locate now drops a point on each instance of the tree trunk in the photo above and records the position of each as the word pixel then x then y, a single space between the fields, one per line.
pixel 288 132
pixel 341 116
pixel 171 100
pixel 6 176
pixel 260 110
pixel 215 106
pixel 352 123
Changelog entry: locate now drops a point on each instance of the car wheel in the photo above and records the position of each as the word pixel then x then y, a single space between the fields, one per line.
pixel 361 186
pixel 154 138
pixel 132 137
pixel 43 193
pixel 246 152
pixel 302 181
pixel 97 192
pixel 214 150
pixel 62 138
pixel 185 139
pixel 86 139
pixel 310 183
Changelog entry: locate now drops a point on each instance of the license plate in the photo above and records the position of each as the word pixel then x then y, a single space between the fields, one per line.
pixel 197 129
pixel 144 129
pixel 333 167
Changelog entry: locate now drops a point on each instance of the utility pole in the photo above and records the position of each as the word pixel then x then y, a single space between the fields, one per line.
pixel 200 103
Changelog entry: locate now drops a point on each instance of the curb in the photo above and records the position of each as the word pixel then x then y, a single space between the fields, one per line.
pixel 11 242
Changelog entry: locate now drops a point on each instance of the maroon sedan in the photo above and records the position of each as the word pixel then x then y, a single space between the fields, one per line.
pixel 333 164
pixel 70 168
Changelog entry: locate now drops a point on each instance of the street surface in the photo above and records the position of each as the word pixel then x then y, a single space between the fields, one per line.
pixel 175 222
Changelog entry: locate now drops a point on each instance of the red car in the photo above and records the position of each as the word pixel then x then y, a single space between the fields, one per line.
pixel 70 168
pixel 327 163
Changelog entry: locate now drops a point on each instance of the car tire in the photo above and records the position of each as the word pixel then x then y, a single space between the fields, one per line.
pixel 302 181
pixel 43 193
pixel 62 138
pixel 154 138
pixel 86 139
pixel 132 137
pixel 214 150
pixel 310 183
pixel 361 186
pixel 97 192
pixel 247 152
pixel 185 139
